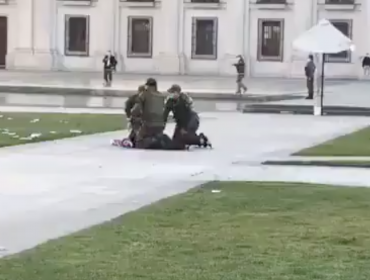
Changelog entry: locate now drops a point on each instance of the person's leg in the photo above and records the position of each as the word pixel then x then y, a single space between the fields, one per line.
pixel 194 123
pixel 169 144
pixel 367 70
pixel 239 84
pixel 110 76
pixel 105 74
pixel 310 88
pixel 244 87
pixel 147 136
pixel 312 81
pixel 191 138
pixel 132 136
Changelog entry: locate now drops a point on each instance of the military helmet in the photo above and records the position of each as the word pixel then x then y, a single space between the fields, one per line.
pixel 174 88
pixel 151 82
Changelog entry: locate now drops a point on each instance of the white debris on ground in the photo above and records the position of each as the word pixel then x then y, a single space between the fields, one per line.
pixel 31 137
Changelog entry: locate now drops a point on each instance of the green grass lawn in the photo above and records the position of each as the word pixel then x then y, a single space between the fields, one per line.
pixel 354 144
pixel 330 163
pixel 21 128
pixel 248 231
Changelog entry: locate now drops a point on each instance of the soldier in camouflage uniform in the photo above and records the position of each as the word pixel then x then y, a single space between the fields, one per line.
pixel 187 120
pixel 150 107
pixel 134 121
pixel 240 69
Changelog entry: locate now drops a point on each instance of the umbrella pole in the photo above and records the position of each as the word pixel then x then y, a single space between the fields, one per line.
pixel 322 84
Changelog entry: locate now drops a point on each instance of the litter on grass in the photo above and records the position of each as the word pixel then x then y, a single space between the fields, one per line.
pixel 216 191
pixel 31 137
pixel 35 135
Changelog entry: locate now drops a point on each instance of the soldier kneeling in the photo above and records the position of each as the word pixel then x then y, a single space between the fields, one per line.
pixel 187 120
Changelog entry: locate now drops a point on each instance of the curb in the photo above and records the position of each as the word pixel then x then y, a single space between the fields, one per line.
pixel 314 163
pixel 110 92
pixel 305 110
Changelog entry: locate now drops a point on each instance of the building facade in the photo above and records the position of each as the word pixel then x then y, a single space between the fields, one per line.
pixel 176 36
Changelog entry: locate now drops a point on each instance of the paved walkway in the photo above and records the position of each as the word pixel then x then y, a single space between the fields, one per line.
pixel 55 188
pixel 124 82
pixel 356 94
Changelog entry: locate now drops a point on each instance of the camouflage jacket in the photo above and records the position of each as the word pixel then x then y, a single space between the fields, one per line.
pixel 181 105
pixel 130 103
pixel 150 104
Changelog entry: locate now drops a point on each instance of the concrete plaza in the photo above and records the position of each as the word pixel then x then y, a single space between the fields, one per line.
pixel 55 188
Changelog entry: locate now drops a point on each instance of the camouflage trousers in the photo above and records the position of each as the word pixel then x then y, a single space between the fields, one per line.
pixel 135 127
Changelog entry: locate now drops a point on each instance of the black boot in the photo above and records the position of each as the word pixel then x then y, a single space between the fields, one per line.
pixel 204 142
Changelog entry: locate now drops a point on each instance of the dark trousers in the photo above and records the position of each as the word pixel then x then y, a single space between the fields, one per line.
pixel 182 138
pixel 239 83
pixel 147 135
pixel 108 76
pixel 310 86
pixel 193 124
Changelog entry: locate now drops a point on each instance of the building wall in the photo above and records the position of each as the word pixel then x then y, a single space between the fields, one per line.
pixel 36 37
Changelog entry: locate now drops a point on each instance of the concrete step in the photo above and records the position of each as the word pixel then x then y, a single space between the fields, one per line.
pixel 305 110
pixel 74 100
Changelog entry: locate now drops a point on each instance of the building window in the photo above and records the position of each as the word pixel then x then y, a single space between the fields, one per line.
pixel 205 1
pixel 271 1
pixel 204 38
pixel 339 2
pixel 344 26
pixel 270 39
pixel 140 37
pixel 76 35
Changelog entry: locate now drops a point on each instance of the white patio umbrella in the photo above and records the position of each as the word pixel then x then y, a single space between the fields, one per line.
pixel 324 38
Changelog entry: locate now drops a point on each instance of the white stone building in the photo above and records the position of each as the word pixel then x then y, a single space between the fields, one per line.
pixel 175 36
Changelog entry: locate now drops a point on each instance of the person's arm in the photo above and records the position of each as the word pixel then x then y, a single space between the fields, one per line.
pixel 167 109
pixel 129 105
pixel 105 59
pixel 114 62
pixel 187 99
pixel 138 108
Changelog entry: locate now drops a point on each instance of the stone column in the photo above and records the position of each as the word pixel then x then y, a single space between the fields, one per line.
pixel 236 20
pixel 35 30
pixel 168 59
pixel 106 28
pixel 22 55
pixel 366 5
pixel 45 26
